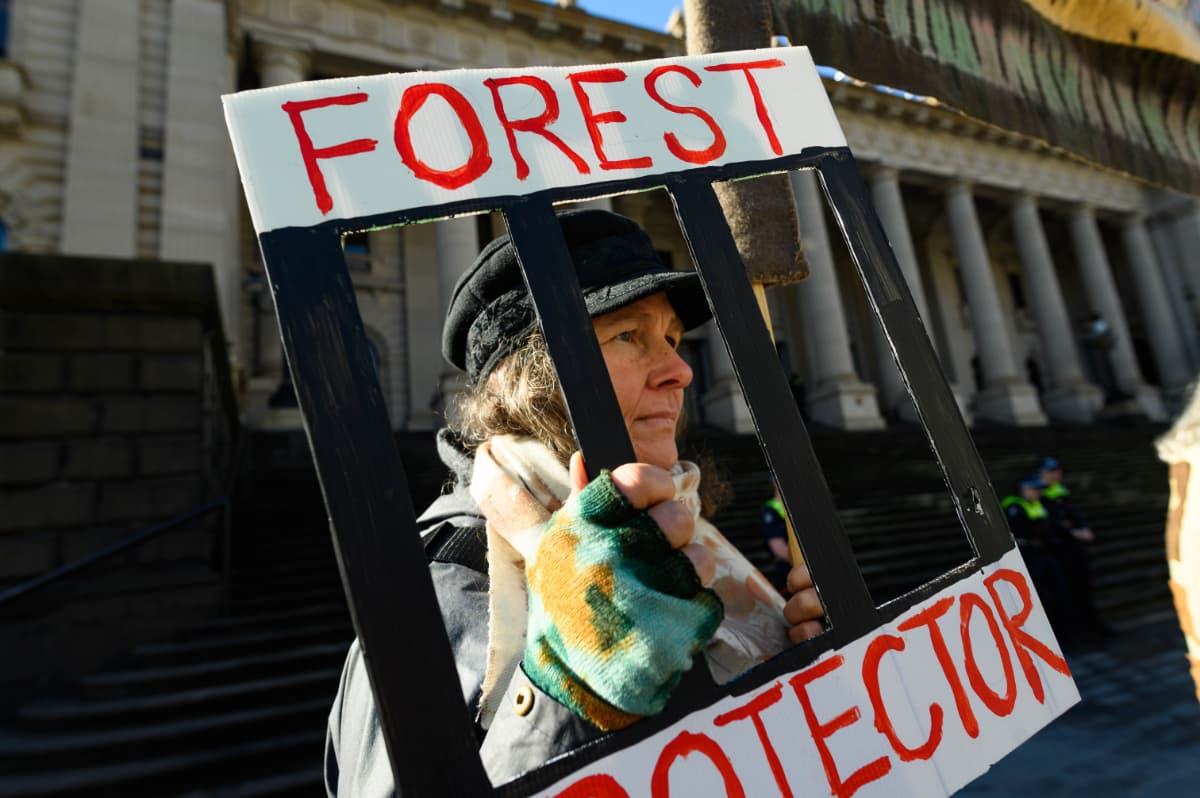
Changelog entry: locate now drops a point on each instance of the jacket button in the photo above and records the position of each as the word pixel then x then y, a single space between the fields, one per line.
pixel 523 702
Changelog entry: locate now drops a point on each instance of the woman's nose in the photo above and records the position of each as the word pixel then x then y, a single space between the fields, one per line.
pixel 673 371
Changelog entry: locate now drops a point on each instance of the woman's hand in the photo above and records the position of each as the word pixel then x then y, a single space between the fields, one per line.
pixel 803 610
pixel 652 489
pixel 616 606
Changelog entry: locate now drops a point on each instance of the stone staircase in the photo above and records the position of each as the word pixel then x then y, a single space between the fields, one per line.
pixel 236 706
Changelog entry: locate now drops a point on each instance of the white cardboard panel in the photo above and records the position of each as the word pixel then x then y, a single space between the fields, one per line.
pixel 838 746
pixel 776 107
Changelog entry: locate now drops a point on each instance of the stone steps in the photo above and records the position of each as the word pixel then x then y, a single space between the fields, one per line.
pixel 235 706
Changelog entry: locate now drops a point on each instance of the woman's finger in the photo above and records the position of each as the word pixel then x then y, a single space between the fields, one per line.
pixel 577 473
pixel 805 631
pixel 675 521
pixel 702 560
pixel 803 606
pixel 644 485
pixel 799 579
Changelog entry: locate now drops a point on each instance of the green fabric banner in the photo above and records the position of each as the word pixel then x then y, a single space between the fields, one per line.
pixel 1130 102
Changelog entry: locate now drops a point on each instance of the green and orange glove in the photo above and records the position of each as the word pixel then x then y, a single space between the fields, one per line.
pixel 615 613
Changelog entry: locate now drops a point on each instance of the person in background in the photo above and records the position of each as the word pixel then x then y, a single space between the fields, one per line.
pixel 774 526
pixel 1064 513
pixel 1070 542
pixel 1031 527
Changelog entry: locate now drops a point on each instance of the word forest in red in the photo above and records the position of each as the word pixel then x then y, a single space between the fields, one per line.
pixel 353 147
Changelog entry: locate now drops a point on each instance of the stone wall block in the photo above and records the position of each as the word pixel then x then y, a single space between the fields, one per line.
pixel 51 417
pixel 27 372
pixel 150 413
pixel 169 454
pixel 172 372
pixel 76 543
pixel 53 505
pixel 26 555
pixel 50 331
pixel 146 501
pixel 193 542
pixel 99 458
pixel 106 371
pixel 152 333
pixel 28 462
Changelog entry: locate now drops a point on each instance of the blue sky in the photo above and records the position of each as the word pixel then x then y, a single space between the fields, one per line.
pixel 651 14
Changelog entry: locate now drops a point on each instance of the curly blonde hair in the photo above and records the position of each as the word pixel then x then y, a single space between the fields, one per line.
pixel 522 397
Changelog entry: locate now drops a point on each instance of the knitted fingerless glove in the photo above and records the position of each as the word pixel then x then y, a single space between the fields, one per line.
pixel 615 614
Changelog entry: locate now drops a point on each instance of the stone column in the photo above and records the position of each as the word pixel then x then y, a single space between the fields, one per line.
pixel 600 203
pixel 100 183
pixel 195 223
pixel 1186 231
pixel 1070 397
pixel 1156 307
pixel 1006 396
pixel 457 245
pixel 1102 295
pixel 281 63
pixel 724 404
pixel 423 311
pixel 278 64
pixel 889 204
pixel 1170 262
pixel 834 394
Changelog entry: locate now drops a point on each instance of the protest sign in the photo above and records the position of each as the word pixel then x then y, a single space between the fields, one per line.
pixel 915 697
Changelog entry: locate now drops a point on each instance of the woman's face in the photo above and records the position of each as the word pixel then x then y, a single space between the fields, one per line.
pixel 640 343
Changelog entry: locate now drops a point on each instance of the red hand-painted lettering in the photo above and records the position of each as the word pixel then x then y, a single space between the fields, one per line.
pixel 760 108
pixel 594 120
pixel 928 618
pixel 480 158
pixel 753 711
pixel 1023 642
pixel 883 722
pixel 1001 705
pixel 599 785
pixel 710 153
pixel 866 774
pixel 532 124
pixel 688 743
pixel 311 154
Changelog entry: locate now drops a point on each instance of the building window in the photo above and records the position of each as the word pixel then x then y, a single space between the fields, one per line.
pixel 3 229
pixel 3 28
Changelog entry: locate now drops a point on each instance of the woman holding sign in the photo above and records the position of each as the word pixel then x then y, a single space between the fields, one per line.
pixel 574 607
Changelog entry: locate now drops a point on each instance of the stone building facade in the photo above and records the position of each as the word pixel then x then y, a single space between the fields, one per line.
pixel 112 143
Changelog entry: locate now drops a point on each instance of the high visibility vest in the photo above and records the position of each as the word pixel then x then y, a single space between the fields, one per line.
pixel 1034 510
pixel 777 506
pixel 1056 490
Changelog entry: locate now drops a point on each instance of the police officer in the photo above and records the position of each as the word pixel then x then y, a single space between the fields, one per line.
pixel 1031 526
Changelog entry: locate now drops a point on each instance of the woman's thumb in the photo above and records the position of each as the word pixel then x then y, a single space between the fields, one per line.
pixel 578 474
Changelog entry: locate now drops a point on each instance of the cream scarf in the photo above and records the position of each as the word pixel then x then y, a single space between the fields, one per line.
pixel 518 483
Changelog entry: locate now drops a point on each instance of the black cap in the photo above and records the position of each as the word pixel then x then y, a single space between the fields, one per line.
pixel 491 313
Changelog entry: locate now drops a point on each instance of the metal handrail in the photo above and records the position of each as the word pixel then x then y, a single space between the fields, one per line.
pixel 126 543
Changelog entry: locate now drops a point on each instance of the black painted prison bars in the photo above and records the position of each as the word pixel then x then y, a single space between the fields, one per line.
pixel 429 736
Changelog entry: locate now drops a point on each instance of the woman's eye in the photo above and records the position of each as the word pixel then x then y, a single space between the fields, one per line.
pixel 627 335
pixel 673 341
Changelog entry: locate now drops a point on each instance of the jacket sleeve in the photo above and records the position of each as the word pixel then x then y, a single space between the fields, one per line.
pixel 529 729
pixel 356 763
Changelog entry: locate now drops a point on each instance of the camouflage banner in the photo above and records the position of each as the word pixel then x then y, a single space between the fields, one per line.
pixel 1113 81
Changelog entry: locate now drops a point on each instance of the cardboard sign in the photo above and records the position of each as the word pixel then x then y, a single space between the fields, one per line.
pixel 915 698
pixel 345 148
pixel 919 707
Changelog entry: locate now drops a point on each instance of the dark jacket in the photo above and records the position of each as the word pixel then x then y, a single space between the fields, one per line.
pixel 356 764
